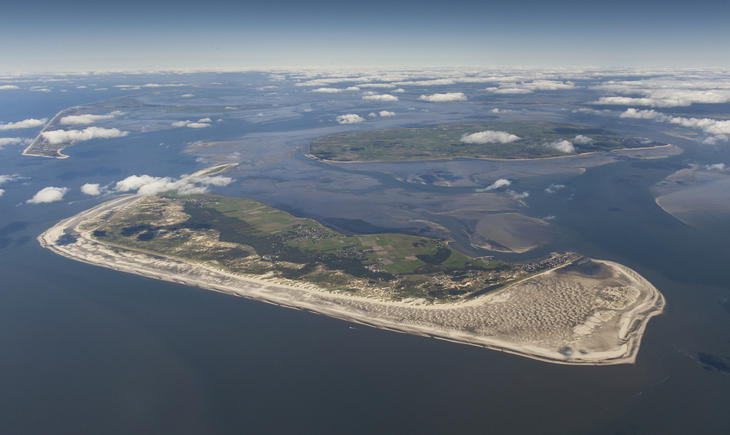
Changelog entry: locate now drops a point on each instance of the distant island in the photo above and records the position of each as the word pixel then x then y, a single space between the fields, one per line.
pixel 563 308
pixel 481 140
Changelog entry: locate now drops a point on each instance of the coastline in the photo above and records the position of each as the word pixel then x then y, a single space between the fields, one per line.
pixel 468 322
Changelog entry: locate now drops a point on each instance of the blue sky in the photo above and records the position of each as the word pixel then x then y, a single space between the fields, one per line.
pixel 50 36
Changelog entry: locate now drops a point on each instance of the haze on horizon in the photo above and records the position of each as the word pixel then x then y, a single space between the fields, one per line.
pixel 40 36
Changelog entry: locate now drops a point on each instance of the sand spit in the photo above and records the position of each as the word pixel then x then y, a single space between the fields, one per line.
pixel 591 313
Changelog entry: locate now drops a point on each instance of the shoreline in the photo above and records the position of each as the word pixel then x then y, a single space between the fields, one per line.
pixel 458 322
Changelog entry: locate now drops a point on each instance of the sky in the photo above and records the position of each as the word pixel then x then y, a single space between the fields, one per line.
pixel 40 35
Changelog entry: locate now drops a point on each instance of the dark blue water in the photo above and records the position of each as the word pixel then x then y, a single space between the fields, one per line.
pixel 86 350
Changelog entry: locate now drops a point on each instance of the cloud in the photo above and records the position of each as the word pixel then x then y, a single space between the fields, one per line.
pixel 708 125
pixel 349 119
pixel 715 167
pixel 62 136
pixel 187 95
pixel 383 97
pixel 489 136
pixel 327 90
pixel 39 89
pixel 561 145
pixel 48 194
pixel 14 141
pixel 443 98
pixel 376 85
pixel 9 178
pixel 582 140
pixel 397 91
pixel 667 90
pixel 90 189
pixel 514 195
pixel 8 87
pixel 712 140
pixel 509 90
pixel 27 123
pixel 353 88
pixel 87 119
pixel 502 182
pixel 155 85
pixel 200 124
pixel 373 115
pixel 553 188
pixel 101 89
pixel 1 192
pixel 148 185
pixel 386 113
pixel 83 87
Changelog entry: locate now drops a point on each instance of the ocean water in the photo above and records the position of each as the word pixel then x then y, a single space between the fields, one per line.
pixel 87 350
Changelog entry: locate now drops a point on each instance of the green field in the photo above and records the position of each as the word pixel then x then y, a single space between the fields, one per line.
pixel 443 142
pixel 247 236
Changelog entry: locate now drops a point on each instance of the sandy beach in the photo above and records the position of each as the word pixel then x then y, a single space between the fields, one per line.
pixel 592 313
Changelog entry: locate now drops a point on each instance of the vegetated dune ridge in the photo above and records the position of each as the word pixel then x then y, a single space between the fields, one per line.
pixel 591 313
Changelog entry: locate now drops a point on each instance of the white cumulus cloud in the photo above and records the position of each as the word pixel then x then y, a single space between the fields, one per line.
pixel 383 97
pixel 14 141
pixel 489 136
pixel 514 195
pixel 715 167
pixel 148 185
pixel 327 90
pixel 202 123
pixel 502 182
pixel 582 140
pixel 88 118
pixel 561 145
pixel 65 136
pixel 8 87
pixel 444 98
pixel 91 189
pixel 350 118
pixel 48 194
pixel 386 113
pixel 26 123
pixel 553 188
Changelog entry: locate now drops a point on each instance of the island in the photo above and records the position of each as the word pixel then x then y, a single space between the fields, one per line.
pixel 564 308
pixel 475 140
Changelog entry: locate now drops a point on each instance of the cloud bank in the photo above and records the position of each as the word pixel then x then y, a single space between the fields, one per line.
pixel 708 125
pixel 8 87
pixel 489 136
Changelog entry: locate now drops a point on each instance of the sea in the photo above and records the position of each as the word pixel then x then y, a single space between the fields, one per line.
pixel 88 350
